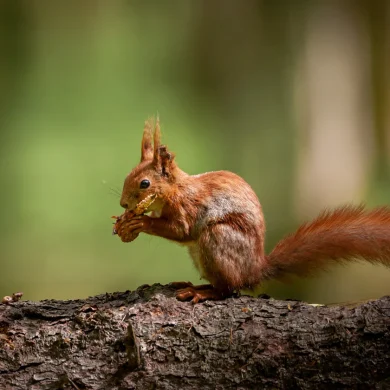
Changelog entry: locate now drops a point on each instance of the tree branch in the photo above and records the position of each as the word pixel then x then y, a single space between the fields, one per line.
pixel 146 339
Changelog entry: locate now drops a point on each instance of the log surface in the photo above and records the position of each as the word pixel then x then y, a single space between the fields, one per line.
pixel 146 339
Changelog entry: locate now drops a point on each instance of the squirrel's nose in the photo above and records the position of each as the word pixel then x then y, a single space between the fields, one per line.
pixel 124 204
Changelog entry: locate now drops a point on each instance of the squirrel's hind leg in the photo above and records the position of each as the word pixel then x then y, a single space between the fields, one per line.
pixel 230 259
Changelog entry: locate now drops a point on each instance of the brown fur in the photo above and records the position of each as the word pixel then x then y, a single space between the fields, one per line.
pixel 344 234
pixel 146 144
pixel 218 217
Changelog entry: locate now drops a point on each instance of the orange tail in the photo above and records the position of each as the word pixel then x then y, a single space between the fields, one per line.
pixel 344 234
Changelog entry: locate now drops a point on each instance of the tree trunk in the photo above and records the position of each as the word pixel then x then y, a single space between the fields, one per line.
pixel 146 339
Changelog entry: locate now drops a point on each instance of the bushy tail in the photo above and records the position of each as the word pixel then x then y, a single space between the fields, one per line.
pixel 344 234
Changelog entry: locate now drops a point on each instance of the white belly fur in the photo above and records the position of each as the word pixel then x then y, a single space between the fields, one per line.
pixel 193 250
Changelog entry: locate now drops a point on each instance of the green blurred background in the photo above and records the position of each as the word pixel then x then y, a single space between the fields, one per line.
pixel 291 95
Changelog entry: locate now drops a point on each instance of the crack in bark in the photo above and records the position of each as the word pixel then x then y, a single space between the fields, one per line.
pixel 132 348
pixel 21 368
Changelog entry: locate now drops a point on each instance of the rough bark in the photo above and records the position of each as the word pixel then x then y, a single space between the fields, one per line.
pixel 146 339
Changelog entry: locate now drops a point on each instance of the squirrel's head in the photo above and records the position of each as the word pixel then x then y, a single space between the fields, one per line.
pixel 155 173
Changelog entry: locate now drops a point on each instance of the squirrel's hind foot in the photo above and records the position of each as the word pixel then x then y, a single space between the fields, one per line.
pixel 199 294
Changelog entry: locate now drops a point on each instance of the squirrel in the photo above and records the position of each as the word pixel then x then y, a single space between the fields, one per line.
pixel 218 217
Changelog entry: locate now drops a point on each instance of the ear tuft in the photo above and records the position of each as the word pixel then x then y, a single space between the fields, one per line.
pixel 146 144
pixel 164 153
pixel 157 137
pixel 166 162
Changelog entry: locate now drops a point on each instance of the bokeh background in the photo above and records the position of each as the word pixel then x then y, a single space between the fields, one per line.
pixel 292 95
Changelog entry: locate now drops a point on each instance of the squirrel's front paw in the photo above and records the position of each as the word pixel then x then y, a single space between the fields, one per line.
pixel 130 229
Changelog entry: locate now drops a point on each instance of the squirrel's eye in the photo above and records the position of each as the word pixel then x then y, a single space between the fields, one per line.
pixel 144 184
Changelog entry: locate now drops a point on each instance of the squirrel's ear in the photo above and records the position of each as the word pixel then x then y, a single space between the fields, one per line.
pixel 162 159
pixel 165 164
pixel 146 145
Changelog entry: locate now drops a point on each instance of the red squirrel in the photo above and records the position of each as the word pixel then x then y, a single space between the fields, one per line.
pixel 218 217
